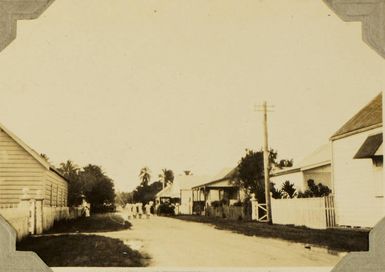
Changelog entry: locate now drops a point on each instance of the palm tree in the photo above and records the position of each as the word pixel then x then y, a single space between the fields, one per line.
pixel 145 176
pixel 167 176
pixel 71 172
pixel 68 168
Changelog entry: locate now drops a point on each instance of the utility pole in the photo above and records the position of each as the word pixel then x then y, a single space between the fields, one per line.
pixel 266 161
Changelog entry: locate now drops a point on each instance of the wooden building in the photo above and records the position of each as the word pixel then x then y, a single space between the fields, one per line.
pixel 357 164
pixel 24 171
pixel 221 187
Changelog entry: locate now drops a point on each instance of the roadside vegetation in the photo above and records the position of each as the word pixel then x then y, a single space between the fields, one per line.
pixel 83 250
pixel 105 222
pixel 342 240
pixel 64 245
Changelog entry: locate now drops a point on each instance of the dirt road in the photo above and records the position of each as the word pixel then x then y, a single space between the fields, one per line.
pixel 172 242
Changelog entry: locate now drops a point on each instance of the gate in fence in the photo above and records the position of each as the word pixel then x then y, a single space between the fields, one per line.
pixel 258 210
pixel 330 212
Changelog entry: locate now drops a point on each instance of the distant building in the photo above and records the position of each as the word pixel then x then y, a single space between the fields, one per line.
pixel 221 187
pixel 180 192
pixel 23 170
pixel 357 163
pixel 316 166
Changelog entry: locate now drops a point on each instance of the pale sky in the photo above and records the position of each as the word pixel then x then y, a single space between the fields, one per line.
pixel 172 84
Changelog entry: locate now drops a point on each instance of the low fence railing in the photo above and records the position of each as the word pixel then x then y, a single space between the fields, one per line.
pixel 229 212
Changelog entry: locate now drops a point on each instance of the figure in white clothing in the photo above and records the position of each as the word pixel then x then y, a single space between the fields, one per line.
pixel 134 210
pixel 148 210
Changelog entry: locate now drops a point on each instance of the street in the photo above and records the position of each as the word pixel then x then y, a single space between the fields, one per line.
pixel 175 243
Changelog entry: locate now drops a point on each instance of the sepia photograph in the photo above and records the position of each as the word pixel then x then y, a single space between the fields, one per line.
pixel 190 134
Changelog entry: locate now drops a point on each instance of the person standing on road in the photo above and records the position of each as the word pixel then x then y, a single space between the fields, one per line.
pixel 148 210
pixel 134 210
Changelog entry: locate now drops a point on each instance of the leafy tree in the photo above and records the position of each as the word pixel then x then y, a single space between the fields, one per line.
pixel 145 193
pixel 250 173
pixel 315 190
pixel 91 182
pixel 97 187
pixel 145 176
pixel 285 163
pixel 288 190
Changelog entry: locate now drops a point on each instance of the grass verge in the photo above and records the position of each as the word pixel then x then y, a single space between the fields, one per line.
pixel 83 250
pixel 95 223
pixel 64 245
pixel 343 240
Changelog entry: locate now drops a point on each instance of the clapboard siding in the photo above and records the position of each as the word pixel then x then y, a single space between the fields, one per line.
pixel 358 199
pixel 18 170
pixel 56 190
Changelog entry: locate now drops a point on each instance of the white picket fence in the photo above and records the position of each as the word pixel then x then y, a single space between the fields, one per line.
pixel 317 213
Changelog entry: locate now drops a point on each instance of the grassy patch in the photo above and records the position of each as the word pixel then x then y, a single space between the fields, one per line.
pixel 333 239
pixel 83 250
pixel 95 223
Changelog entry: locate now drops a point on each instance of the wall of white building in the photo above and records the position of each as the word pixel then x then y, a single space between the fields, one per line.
pixel 320 174
pixel 358 183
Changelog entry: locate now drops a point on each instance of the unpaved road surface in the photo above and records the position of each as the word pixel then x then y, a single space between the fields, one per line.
pixel 172 242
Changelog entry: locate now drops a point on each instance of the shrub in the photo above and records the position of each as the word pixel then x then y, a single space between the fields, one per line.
pixel 288 190
pixel 315 190
pixel 198 207
pixel 276 194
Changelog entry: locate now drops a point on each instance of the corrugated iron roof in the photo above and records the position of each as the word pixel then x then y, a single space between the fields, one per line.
pixel 367 117
pixel 321 156
pixel 221 177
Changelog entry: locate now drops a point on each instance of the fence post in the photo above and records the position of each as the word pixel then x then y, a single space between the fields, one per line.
pixel 254 208
pixel 39 213
pixel 26 202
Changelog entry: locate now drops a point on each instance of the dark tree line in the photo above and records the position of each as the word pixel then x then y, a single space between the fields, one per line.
pixel 91 182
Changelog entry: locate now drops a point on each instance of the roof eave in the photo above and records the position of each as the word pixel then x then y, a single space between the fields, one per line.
pixel 357 131
pixel 53 169
pixel 316 165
